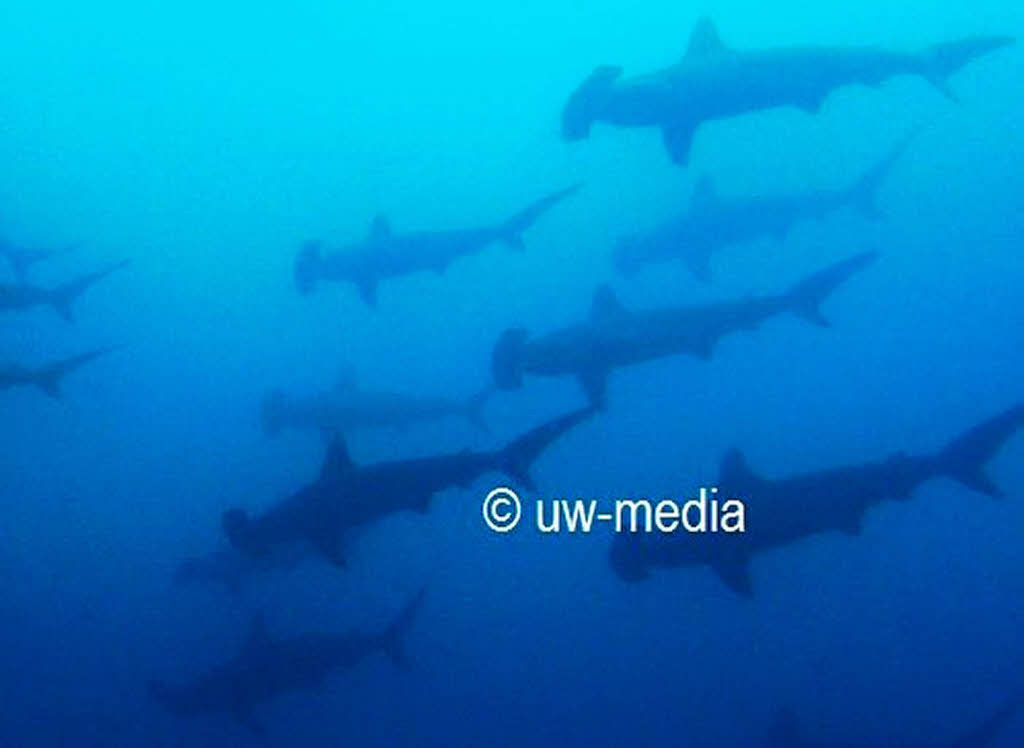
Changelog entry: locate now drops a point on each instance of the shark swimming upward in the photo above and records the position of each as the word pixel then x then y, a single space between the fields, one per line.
pixel 713 82
pixel 21 297
pixel 267 668
pixel 47 378
pixel 614 336
pixel 783 511
pixel 348 496
pixel 349 408
pixel 714 222
pixel 385 254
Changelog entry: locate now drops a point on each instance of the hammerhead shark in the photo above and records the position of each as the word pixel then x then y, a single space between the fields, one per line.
pixel 349 407
pixel 347 496
pixel 714 222
pixel 22 297
pixel 783 511
pixel 47 378
pixel 21 259
pixel 614 336
pixel 384 254
pixel 714 82
pixel 267 668
pixel 786 732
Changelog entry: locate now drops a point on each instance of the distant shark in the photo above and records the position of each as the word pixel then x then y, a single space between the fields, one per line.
pixel 347 496
pixel 267 668
pixel 384 254
pixel 351 408
pixel 786 733
pixel 21 259
pixel 614 336
pixel 714 222
pixel 782 511
pixel 22 297
pixel 231 569
pixel 713 82
pixel 47 378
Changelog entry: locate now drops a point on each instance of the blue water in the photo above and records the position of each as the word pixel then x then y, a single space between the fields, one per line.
pixel 206 142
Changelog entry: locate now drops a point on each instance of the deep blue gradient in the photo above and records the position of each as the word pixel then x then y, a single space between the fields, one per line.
pixel 206 142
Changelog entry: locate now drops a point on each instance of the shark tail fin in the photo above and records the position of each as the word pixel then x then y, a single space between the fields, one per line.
pixel 965 458
pixel 49 379
pixel 507 359
pixel 393 638
pixel 864 192
pixel 307 268
pixel 475 408
pixel 272 413
pixel 518 457
pixel 512 230
pixel 806 297
pixel 62 297
pixel 943 60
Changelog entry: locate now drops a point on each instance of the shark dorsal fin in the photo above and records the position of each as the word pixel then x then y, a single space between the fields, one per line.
pixel 705 194
pixel 338 460
pixel 735 473
pixel 606 305
pixel 258 635
pixel 704 41
pixel 380 229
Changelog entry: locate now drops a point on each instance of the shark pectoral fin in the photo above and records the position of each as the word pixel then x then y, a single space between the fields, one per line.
pixel 735 574
pixel 329 546
pixel 978 480
pixel 595 384
pixel 678 137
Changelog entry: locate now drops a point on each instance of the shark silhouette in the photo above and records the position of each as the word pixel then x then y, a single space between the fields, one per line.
pixel 714 222
pixel 385 254
pixel 783 511
pixel 614 336
pixel 268 667
pixel 21 297
pixel 713 82
pixel 347 496
pixel 47 378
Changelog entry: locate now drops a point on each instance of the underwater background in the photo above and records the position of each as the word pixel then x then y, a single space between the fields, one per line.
pixel 206 142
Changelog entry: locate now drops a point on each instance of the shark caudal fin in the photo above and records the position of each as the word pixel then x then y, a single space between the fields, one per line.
pixel 507 359
pixel 49 378
pixel 864 192
pixel 965 458
pixel 943 60
pixel 392 641
pixel 272 413
pixel 307 268
pixel 807 296
pixel 517 458
pixel 62 297
pixel 512 230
